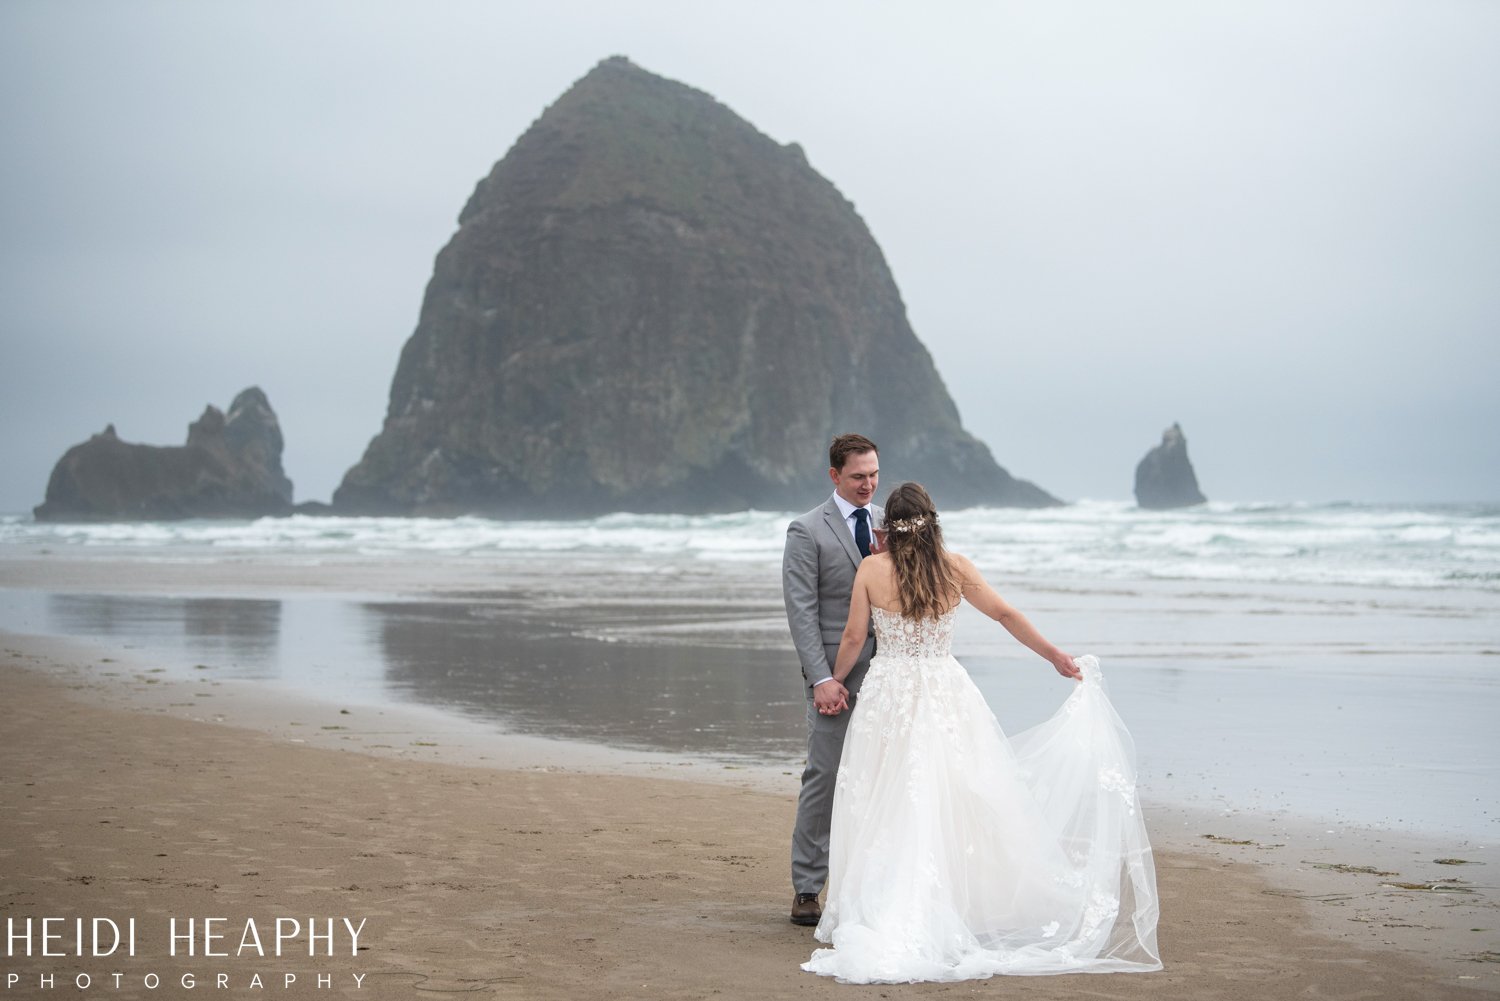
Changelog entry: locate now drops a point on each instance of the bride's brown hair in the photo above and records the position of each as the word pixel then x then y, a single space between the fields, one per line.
pixel 926 581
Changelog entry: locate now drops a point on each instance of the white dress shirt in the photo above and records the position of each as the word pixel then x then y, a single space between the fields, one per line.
pixel 848 511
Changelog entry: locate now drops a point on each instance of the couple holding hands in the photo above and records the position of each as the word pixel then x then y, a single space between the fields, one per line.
pixel 950 852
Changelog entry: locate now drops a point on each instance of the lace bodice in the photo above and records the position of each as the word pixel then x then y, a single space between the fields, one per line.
pixel 898 636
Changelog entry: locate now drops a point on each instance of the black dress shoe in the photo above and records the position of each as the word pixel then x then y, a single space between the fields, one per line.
pixel 805 909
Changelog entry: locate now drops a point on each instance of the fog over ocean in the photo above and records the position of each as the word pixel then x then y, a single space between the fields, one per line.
pixel 1276 223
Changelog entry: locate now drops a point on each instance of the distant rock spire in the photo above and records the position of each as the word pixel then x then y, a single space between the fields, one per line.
pixel 651 306
pixel 1164 478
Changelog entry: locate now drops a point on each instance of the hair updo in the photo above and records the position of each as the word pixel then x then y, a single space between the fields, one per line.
pixel 925 580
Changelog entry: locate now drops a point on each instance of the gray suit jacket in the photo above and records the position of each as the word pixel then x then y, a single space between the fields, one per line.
pixel 817 575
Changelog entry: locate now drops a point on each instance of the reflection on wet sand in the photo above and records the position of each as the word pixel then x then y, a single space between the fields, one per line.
pixel 518 666
pixel 240 636
pixel 540 679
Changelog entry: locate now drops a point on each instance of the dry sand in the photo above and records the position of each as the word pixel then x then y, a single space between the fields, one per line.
pixel 536 870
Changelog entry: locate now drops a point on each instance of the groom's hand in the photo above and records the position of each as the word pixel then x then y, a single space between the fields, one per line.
pixel 831 698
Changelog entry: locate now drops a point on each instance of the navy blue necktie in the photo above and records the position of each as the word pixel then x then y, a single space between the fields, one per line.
pixel 862 530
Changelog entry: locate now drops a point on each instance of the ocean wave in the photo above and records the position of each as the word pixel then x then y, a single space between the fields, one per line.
pixel 1344 544
pixel 1363 545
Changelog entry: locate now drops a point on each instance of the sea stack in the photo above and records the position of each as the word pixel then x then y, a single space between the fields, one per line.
pixel 1164 479
pixel 229 468
pixel 651 306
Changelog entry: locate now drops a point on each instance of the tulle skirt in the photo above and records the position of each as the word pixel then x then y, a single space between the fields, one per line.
pixel 957 854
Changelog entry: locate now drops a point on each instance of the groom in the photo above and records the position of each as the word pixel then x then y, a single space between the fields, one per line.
pixel 823 549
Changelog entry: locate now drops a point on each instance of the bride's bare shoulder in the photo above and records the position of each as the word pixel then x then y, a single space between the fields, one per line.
pixel 963 565
pixel 969 577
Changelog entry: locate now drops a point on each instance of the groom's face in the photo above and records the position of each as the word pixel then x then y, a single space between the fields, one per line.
pixel 857 481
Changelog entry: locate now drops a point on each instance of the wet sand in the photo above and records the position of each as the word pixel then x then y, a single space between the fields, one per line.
pixel 1358 706
pixel 489 858
pixel 522 868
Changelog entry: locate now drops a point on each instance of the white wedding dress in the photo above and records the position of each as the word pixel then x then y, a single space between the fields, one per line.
pixel 957 854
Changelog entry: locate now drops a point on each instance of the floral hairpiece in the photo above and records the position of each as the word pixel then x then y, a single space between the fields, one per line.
pixel 904 525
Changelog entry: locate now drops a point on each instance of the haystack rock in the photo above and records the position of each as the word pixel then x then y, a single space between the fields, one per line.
pixel 229 468
pixel 650 306
pixel 1164 478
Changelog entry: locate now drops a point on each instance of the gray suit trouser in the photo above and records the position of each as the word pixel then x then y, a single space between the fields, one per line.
pixel 825 748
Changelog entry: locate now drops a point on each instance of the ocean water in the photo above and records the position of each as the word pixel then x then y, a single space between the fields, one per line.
pixel 1335 662
pixel 1365 545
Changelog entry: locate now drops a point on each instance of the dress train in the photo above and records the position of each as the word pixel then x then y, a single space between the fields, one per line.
pixel 957 854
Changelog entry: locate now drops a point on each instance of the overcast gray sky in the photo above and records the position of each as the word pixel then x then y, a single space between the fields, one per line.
pixel 1275 222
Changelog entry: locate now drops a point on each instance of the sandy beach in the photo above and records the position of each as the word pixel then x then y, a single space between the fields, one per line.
pixel 533 869
pixel 312 737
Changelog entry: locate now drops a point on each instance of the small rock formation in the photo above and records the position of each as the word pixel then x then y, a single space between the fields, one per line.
pixel 229 468
pixel 651 306
pixel 1164 478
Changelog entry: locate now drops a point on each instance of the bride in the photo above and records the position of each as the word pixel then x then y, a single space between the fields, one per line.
pixel 955 853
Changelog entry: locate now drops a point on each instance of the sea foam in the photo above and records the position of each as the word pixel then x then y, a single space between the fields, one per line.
pixel 1438 546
